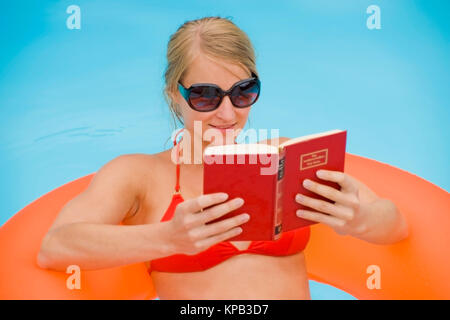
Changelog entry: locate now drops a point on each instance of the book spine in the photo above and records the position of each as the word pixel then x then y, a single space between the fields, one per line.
pixel 278 223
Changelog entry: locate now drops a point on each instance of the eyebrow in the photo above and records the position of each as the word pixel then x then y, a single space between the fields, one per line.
pixel 252 75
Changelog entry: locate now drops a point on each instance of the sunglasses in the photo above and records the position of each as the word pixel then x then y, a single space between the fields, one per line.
pixel 204 97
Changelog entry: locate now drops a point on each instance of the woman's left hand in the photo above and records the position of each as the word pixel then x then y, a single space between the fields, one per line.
pixel 348 215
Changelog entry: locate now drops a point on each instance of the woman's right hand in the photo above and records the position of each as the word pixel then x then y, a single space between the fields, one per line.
pixel 189 233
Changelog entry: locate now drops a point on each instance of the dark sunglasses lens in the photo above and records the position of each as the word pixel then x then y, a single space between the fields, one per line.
pixel 204 98
pixel 245 94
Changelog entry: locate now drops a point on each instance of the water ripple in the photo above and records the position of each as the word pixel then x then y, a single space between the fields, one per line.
pixel 80 131
pixel 60 133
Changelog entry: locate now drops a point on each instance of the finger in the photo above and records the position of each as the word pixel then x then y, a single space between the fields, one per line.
pixel 203 201
pixel 340 212
pixel 325 191
pixel 322 218
pixel 221 226
pixel 208 242
pixel 219 210
pixel 343 179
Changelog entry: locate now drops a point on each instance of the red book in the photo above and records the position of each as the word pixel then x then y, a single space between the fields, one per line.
pixel 268 178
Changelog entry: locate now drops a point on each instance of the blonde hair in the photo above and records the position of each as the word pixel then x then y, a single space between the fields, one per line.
pixel 214 36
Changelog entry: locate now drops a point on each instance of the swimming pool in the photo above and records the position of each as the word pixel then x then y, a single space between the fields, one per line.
pixel 72 100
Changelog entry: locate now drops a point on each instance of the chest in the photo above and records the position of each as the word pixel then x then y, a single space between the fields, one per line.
pixel 157 196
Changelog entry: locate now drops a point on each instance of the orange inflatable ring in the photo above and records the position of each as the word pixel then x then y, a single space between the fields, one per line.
pixel 416 268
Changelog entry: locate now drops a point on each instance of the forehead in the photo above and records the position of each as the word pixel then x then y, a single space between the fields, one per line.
pixel 205 69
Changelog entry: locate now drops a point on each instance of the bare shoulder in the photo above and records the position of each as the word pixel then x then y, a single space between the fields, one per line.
pixel 148 171
pixel 142 168
pixel 112 194
pixel 129 167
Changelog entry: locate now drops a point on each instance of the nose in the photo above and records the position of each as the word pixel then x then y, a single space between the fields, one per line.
pixel 226 110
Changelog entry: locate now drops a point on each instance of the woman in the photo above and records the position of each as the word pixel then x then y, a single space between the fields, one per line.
pixel 189 259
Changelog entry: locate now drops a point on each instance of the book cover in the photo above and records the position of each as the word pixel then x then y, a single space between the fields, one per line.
pixel 268 178
pixel 239 175
pixel 302 160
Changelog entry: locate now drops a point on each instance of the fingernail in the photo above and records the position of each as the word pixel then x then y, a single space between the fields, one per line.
pixel 307 183
pixel 299 213
pixel 223 196
pixel 245 217
pixel 238 201
pixel 299 197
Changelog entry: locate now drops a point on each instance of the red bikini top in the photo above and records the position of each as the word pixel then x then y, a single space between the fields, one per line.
pixel 289 243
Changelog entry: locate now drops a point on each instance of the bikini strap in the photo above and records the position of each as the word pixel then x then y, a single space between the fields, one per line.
pixel 177 185
pixel 176 145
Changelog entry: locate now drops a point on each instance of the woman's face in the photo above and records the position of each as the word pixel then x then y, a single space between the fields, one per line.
pixel 207 70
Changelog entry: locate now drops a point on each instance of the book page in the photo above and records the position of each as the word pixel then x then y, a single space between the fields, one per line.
pixel 250 148
pixel 308 137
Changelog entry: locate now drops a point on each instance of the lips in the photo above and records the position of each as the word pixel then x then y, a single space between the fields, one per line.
pixel 223 126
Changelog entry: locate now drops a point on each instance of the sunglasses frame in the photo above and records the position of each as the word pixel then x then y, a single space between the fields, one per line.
pixel 185 92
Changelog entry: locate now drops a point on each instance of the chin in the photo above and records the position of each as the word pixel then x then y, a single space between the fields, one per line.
pixel 212 132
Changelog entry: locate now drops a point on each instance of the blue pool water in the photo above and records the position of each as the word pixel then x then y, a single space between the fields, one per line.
pixel 71 100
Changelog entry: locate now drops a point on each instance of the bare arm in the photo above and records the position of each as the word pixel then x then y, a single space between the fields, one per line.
pixel 98 246
pixel 87 233
pixel 383 222
pixel 389 226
